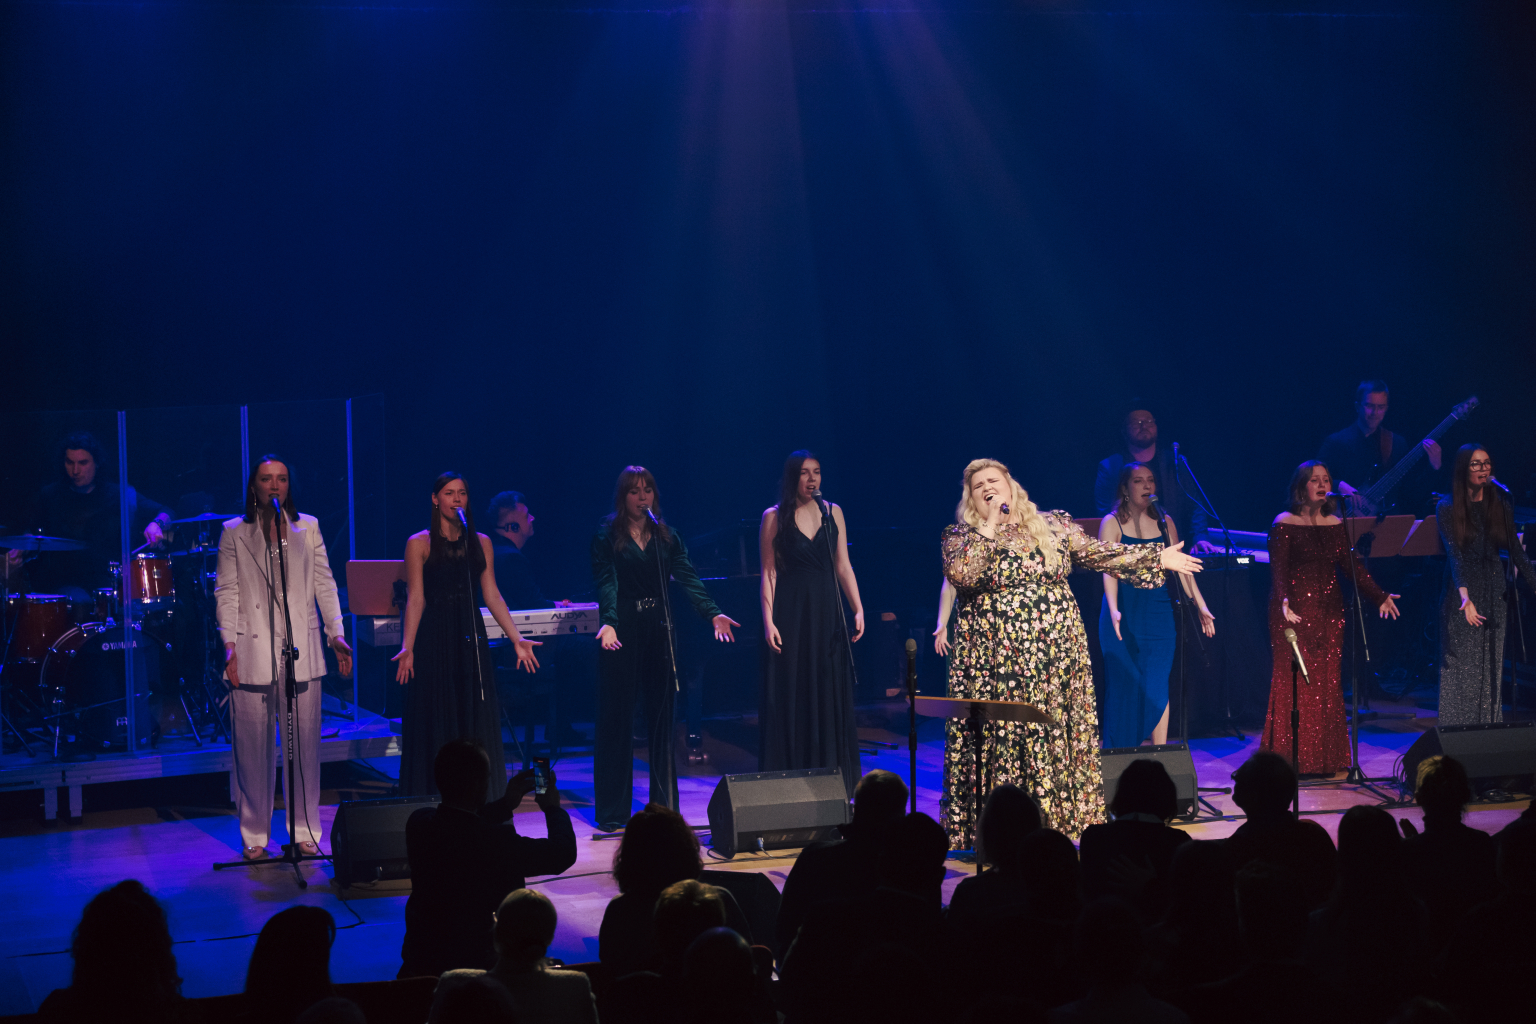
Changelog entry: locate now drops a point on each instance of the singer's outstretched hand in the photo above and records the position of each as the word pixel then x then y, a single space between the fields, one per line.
pixel 1469 610
pixel 343 655
pixel 1388 607
pixel 723 624
pixel 406 667
pixel 1290 616
pixel 1175 560
pixel 1207 621
pixel 941 641
pixel 609 638
pixel 525 659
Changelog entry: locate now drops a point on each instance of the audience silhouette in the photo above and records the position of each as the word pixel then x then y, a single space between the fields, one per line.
pixel 658 849
pixel 1449 864
pixel 477 999
pixel 1110 950
pixel 124 967
pixel 842 868
pixel 1130 856
pixel 290 968
pixel 1265 788
pixel 525 926
pixel 1007 819
pixel 466 855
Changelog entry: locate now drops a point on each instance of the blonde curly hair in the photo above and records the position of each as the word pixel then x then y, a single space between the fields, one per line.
pixel 1021 511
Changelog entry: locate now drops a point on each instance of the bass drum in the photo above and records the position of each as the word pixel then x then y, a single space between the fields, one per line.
pixel 84 683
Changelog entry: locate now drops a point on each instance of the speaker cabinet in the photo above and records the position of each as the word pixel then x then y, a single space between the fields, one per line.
pixel 775 810
pixel 368 838
pixel 1174 757
pixel 1499 756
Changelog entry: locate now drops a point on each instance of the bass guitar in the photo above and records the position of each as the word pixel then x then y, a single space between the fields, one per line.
pixel 1373 501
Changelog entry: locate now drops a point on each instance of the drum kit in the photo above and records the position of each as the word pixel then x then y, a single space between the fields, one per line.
pixel 64 658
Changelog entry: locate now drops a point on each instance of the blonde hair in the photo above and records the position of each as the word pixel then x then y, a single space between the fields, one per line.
pixel 1021 511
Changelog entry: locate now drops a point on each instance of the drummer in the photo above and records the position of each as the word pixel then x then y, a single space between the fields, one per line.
pixel 79 506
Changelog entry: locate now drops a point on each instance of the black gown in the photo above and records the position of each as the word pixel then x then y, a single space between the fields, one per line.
pixel 447 699
pixel 805 706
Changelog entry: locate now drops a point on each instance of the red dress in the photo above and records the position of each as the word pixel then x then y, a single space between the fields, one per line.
pixel 1305 563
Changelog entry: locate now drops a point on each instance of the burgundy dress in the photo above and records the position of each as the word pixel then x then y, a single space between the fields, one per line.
pixel 1305 563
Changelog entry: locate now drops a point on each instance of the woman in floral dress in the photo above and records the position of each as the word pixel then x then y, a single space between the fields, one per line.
pixel 1018 636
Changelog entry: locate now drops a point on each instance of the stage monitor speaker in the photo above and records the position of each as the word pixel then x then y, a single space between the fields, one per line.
pixel 368 838
pixel 774 810
pixel 1174 757
pixel 1497 756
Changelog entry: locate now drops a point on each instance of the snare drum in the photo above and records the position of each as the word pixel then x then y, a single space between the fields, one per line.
pixel 148 581
pixel 38 620
pixel 106 604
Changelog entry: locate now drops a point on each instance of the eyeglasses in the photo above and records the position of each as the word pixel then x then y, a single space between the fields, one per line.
pixel 1141 423
pixel 1480 464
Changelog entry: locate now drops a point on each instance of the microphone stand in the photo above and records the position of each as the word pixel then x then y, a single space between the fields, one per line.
pixel 828 523
pixel 292 855
pixel 666 612
pixel 912 721
pixel 1209 509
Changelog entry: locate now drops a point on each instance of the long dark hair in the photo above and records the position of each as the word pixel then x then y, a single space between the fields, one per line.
pixel 472 551
pixel 1123 489
pixel 789 499
pixel 657 849
pixel 1501 526
pixel 122 953
pixel 290 968
pixel 617 522
pixel 252 506
pixel 1296 493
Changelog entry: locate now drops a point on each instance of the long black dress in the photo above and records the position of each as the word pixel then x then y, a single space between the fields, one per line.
pixel 805 705
pixel 448 699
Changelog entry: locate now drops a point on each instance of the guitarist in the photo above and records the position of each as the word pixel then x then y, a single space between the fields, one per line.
pixel 1362 452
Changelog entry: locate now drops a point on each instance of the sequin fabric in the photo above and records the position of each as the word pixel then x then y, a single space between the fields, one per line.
pixel 1305 564
pixel 1018 636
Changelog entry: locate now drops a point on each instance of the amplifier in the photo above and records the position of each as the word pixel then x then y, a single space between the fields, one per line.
pixel 1496 756
pixel 1174 757
pixel 776 810
pixel 368 838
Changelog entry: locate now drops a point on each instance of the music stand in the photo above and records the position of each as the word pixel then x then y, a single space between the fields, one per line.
pixel 975 714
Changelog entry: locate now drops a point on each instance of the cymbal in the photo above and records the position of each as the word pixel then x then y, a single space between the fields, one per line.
pixel 38 542
pixel 206 549
pixel 208 517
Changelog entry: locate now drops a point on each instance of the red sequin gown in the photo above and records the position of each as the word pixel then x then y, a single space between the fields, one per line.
pixel 1306 563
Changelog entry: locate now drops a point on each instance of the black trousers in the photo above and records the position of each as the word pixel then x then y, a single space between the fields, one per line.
pixel 638 671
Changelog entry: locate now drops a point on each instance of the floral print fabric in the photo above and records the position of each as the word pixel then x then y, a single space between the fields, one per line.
pixel 1018 636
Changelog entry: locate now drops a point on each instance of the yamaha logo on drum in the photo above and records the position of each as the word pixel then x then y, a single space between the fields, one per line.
pixel 118 645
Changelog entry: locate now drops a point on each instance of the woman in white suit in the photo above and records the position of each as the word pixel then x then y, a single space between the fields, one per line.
pixel 254 629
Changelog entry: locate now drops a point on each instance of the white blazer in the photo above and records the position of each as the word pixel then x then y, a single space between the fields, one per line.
pixel 243 602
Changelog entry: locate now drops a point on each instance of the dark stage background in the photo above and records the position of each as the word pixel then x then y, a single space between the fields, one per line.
pixel 563 238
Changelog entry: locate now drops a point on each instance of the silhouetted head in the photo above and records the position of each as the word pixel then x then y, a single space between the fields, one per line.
pixel 462 771
pixel 1271 911
pixel 719 977
pixel 290 967
pixel 1108 943
pixel 1441 787
pixel 912 858
pixel 1145 787
pixel 525 926
pixel 333 1010
pixel 1264 784
pixel 476 1000
pixel 879 799
pixel 1200 888
pixel 1370 851
pixel 684 911
pixel 658 848
pixel 122 952
pixel 1049 864
pixel 1010 814
pixel 1517 857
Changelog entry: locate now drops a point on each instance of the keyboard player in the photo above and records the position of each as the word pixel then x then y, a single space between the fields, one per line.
pixel 512 527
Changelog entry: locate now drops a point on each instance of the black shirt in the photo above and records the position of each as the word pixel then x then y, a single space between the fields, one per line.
pixel 95 518
pixel 514 578
pixel 462 867
pixel 1356 459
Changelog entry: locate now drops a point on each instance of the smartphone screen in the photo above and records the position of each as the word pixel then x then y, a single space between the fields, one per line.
pixel 541 775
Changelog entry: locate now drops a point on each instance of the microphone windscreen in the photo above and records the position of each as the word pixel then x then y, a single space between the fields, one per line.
pixel 1290 634
pixel 911 646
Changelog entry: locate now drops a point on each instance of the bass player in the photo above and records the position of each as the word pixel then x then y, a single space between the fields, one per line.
pixel 1364 451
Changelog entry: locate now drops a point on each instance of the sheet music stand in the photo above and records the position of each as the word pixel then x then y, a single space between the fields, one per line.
pixel 975 714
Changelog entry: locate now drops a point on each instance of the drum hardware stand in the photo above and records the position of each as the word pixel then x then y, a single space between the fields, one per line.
pixel 1206 506
pixel 292 855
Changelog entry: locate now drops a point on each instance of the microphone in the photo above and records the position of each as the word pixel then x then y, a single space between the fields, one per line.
pixel 1495 481
pixel 1155 508
pixel 820 503
pixel 1290 638
pixel 911 666
pixel 651 515
pixel 277 506
pixel 463 521
pixel 1175 451
pixel 1004 505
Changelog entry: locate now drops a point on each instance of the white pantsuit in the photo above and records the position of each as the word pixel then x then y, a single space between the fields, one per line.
pixel 250 614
